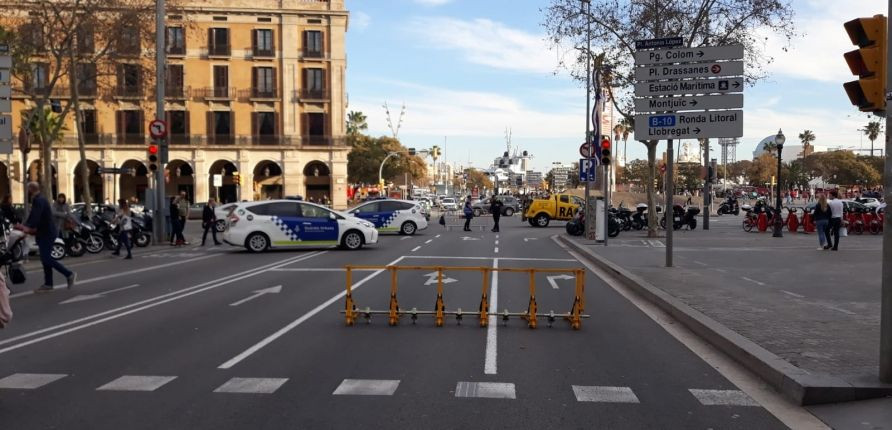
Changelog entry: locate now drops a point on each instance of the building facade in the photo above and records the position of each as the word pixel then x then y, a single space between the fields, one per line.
pixel 255 101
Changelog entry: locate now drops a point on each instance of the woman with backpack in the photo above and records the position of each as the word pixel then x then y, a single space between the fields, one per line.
pixel 469 213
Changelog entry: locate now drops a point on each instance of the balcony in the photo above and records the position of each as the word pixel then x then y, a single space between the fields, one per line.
pixel 176 51
pixel 309 53
pixel 178 139
pixel 323 141
pixel 265 94
pixel 216 93
pixel 131 139
pixel 176 93
pixel 309 94
pixel 219 50
pixel 263 52
pixel 128 92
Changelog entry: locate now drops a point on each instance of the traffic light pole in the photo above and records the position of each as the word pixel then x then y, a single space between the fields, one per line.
pixel 886 301
pixel 158 225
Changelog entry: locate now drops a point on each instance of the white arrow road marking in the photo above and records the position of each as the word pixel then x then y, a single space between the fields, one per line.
pixel 527 239
pixel 406 238
pixel 271 290
pixel 469 238
pixel 83 297
pixel 432 279
pixel 553 280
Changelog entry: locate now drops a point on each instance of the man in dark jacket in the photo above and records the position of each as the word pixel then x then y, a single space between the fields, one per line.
pixel 40 224
pixel 209 221
pixel 495 208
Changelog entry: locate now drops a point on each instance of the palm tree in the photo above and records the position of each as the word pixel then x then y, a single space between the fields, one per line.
pixel 357 122
pixel 627 129
pixel 769 147
pixel 45 129
pixel 807 137
pixel 873 130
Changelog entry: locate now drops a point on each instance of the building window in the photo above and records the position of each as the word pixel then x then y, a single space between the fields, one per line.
pixel 85 40
pixel 173 84
pixel 314 129
pixel 264 126
pixel 129 80
pixel 314 83
pixel 129 126
pixel 264 82
pixel 313 44
pixel 218 43
pixel 263 43
pixel 86 79
pixel 221 81
pixel 39 76
pixel 178 126
pixel 88 121
pixel 34 37
pixel 176 41
pixel 128 42
pixel 220 126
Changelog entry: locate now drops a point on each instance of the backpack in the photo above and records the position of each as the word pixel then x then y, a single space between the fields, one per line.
pixel 442 220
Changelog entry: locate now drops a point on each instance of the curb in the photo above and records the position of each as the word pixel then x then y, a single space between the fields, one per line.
pixel 799 385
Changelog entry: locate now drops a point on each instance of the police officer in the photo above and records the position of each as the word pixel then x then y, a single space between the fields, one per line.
pixel 495 208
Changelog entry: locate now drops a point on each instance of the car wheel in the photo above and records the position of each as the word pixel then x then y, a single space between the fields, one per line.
pixel 352 240
pixel 478 212
pixel 509 212
pixel 257 242
pixel 408 228
pixel 542 220
pixel 57 252
pixel 220 226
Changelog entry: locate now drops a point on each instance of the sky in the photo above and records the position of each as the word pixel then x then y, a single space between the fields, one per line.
pixel 467 70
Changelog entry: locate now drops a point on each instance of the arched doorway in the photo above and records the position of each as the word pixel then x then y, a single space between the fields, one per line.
pixel 5 186
pixel 227 190
pixel 134 182
pixel 35 174
pixel 95 182
pixel 268 181
pixel 317 177
pixel 180 177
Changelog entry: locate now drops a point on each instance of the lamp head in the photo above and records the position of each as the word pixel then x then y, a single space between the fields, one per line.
pixel 780 138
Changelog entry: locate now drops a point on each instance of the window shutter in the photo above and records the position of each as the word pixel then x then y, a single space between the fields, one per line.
pixel 142 122
pixel 275 83
pixel 119 71
pixel 254 34
pixel 305 124
pixel 210 38
pixel 276 124
pixel 322 43
pixel 255 126
pixel 324 82
pixel 167 120
pixel 254 72
pixel 186 116
pixel 272 41
pixel 326 125
pixel 119 125
pixel 210 126
pixel 305 79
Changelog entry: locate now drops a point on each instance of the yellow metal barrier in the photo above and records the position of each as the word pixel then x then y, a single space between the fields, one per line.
pixel 574 316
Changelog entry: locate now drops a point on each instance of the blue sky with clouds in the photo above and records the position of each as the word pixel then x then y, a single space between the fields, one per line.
pixel 467 69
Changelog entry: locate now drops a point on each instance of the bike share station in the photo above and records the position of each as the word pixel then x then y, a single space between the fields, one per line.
pixel 687 93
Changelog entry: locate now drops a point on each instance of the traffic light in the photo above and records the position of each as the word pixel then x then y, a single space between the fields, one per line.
pixel 236 178
pixel 868 63
pixel 14 170
pixel 411 151
pixel 605 151
pixel 153 157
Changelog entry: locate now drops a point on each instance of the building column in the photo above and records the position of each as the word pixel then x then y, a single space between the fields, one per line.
pixel 246 188
pixel 339 184
pixel 293 178
pixel 201 176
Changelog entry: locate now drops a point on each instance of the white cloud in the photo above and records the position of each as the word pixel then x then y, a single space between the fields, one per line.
pixel 489 43
pixel 360 20
pixel 432 2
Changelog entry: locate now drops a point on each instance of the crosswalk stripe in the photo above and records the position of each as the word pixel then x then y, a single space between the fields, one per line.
pixel 137 383
pixel 723 398
pixel 604 394
pixel 29 381
pixel 486 390
pixel 251 385
pixel 367 387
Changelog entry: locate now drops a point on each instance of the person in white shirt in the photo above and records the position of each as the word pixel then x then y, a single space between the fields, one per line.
pixel 836 210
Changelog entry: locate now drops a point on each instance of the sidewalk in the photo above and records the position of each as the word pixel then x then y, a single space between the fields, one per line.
pixel 813 314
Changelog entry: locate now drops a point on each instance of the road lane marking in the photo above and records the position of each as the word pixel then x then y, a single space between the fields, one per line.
pixel 406 238
pixel 719 270
pixel 367 387
pixel 490 361
pixel 318 269
pixel 428 241
pixel 700 263
pixel 604 394
pixel 251 385
pixel 798 296
pixel 723 398
pixel 137 383
pixel 496 250
pixel 553 280
pixel 437 236
pixel 29 381
pixel 82 297
pixel 116 275
pixel 485 390
pixel 145 304
pixel 753 281
pixel 448 257
pixel 257 293
pixel 497 241
pixel 282 331
pixel 416 248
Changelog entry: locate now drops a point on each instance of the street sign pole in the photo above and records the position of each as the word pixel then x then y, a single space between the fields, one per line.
pixel 886 302
pixel 589 224
pixel 158 225
pixel 707 196
pixel 668 210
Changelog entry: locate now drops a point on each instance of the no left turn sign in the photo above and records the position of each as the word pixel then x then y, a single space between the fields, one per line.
pixel 158 129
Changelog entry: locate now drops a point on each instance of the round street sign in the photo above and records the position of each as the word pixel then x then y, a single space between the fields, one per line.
pixel 716 68
pixel 585 150
pixel 158 129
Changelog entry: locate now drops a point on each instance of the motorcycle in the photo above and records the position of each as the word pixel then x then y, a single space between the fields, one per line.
pixel 729 206
pixel 623 216
pixel 576 226
pixel 681 217
pixel 639 217
pixel 140 234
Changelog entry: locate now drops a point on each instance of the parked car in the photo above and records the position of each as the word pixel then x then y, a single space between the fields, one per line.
pixel 510 205
pixel 448 204
pixel 403 216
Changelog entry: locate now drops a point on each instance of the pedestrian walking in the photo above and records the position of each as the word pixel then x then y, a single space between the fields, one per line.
pixel 836 210
pixel 173 215
pixel 209 222
pixel 183 205
pixel 495 208
pixel 40 224
pixel 124 221
pixel 469 213
pixel 821 215
pixel 61 213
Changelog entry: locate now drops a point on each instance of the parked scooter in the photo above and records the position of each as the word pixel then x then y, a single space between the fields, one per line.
pixel 682 217
pixel 729 206
pixel 639 218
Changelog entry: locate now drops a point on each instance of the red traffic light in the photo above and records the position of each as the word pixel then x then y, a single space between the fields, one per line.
pixel 153 149
pixel 605 144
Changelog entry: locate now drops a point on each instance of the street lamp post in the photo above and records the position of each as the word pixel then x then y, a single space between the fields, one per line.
pixel 381 169
pixel 778 222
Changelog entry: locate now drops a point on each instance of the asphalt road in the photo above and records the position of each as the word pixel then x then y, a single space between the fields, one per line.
pixel 186 338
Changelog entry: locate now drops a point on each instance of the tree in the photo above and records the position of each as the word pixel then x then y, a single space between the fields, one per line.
pixel 356 123
pixel 807 137
pixel 770 147
pixel 689 176
pixel 364 160
pixel 549 180
pixel 618 24
pixel 762 170
pixel 478 179
pixel 845 166
pixel 873 130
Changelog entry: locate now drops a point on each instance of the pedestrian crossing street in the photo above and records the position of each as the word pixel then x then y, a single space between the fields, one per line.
pixel 375 387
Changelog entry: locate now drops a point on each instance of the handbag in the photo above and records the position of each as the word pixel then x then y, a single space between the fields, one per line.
pixel 5 308
pixel 442 220
pixel 843 232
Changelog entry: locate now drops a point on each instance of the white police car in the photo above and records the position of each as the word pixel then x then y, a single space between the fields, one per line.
pixel 403 216
pixel 259 226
